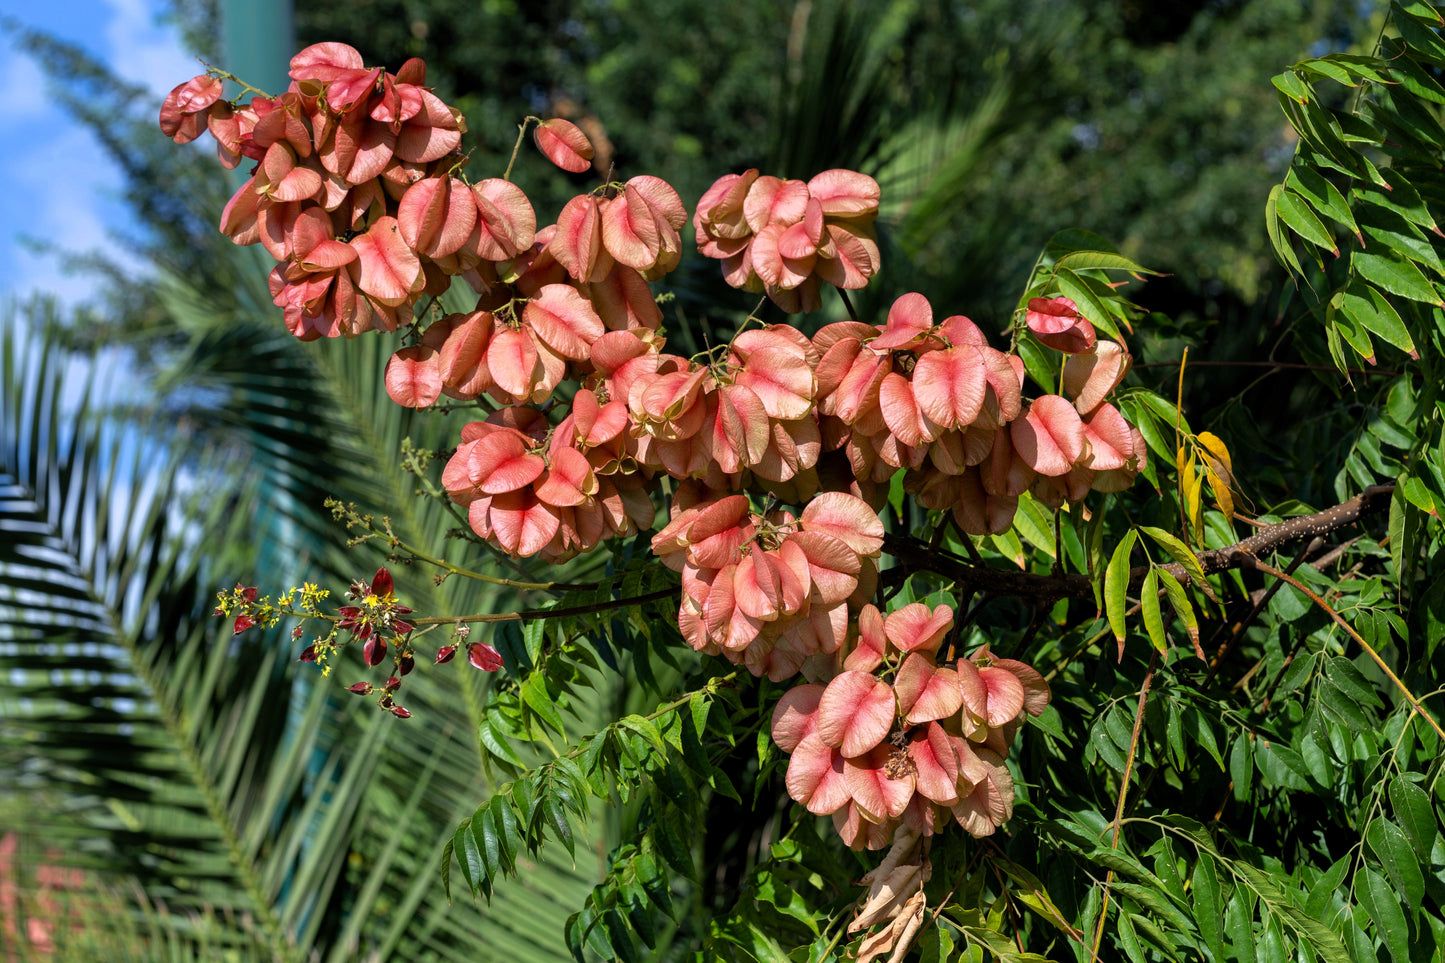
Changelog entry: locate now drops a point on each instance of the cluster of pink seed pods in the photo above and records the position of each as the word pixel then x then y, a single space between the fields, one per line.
pixel 358 193
pixel 787 237
pixel 770 592
pixel 895 739
pixel 938 402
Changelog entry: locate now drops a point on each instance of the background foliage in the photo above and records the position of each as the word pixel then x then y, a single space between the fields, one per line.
pixel 1283 801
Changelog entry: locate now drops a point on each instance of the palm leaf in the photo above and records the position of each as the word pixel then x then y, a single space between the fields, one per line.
pixel 195 762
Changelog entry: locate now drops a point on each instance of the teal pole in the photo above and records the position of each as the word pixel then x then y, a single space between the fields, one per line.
pixel 257 37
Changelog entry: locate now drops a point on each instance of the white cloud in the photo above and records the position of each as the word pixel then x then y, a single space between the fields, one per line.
pixel 60 187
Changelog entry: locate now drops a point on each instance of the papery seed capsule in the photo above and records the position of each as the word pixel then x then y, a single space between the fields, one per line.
pixel 374 650
pixel 400 713
pixel 393 684
pixel 445 653
pixel 406 664
pixel 360 688
pixel 308 654
pixel 484 657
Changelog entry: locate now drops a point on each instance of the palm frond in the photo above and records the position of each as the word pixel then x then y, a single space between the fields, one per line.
pixel 197 762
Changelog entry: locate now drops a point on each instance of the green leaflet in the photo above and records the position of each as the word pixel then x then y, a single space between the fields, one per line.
pixel 1396 275
pixel 1393 851
pixel 1323 196
pixel 1276 237
pixel 1099 260
pixel 1366 307
pixel 1091 303
pixel 1208 905
pixel 1415 816
pixel 1292 86
pixel 1297 214
pixel 1383 906
pixel 1153 619
pixel 1180 552
pixel 1423 40
pixel 1183 608
pixel 1116 585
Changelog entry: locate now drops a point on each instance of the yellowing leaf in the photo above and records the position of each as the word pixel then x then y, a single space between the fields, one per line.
pixel 1221 493
pixel 1215 446
pixel 1191 484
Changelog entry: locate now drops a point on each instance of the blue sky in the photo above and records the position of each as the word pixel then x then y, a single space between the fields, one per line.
pixel 58 185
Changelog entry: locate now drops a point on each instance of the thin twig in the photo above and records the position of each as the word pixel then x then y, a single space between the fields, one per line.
pixel 1259 606
pixel 1369 650
pixel 534 614
pixel 1295 366
pixel 521 133
pixel 1123 793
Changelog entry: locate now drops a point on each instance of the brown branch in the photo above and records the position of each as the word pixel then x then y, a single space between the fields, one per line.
pixel 915 555
pixel 560 612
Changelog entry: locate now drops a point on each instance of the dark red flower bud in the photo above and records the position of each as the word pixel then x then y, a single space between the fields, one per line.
pixel 308 654
pixel 374 650
pixel 400 713
pixel 484 657
pixel 445 653
pixel 381 584
pixel 406 664
pixel 360 688
pixel 243 622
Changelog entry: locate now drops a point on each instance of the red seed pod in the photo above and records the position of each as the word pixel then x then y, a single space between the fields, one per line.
pixel 405 665
pixel 360 688
pixel 400 713
pixel 393 684
pixel 308 654
pixel 484 657
pixel 374 650
pixel 445 654
pixel 243 622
